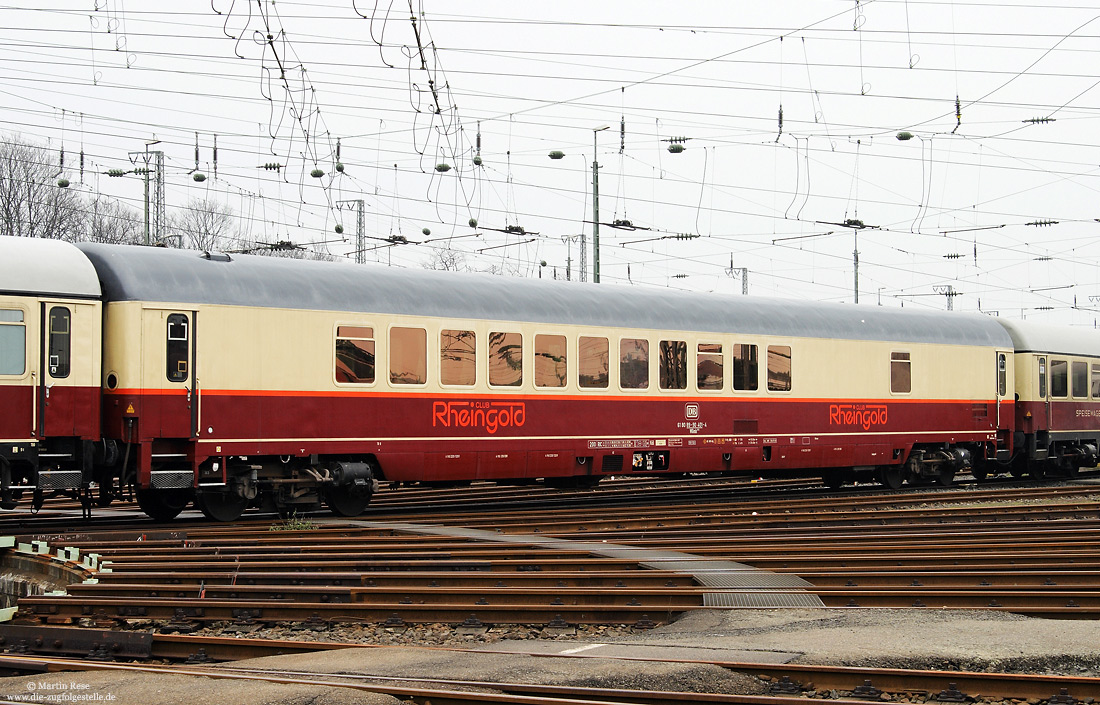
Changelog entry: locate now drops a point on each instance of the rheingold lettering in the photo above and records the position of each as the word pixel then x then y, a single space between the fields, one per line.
pixel 863 415
pixel 490 416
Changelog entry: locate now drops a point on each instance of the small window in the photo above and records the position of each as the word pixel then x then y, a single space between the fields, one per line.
pixel 595 360
pixel 708 366
pixel 746 373
pixel 1080 379
pixel 673 364
pixel 634 363
pixel 1095 380
pixel 779 368
pixel 458 357
pixel 408 356
pixel 505 359
pixel 13 342
pixel 355 354
pixel 550 361
pixel 1059 378
pixel 901 374
pixel 60 341
pixel 1042 378
pixel 1002 374
pixel 178 338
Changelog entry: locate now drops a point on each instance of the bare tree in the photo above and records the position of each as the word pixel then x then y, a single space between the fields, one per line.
pixel 111 221
pixel 446 259
pixel 204 224
pixel 32 203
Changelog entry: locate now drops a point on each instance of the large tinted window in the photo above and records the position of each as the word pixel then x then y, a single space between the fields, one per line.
pixel 179 336
pixel 550 361
pixel 457 357
pixel 745 368
pixel 1059 378
pixel 594 364
pixel 13 342
pixel 673 364
pixel 634 363
pixel 1042 378
pixel 60 341
pixel 708 366
pixel 408 356
pixel 505 359
pixel 779 368
pixel 355 354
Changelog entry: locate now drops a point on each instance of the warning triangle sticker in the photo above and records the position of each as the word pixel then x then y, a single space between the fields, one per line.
pixel 130 409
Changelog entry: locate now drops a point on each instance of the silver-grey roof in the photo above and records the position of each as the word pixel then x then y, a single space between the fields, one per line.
pixel 131 273
pixel 1041 337
pixel 45 267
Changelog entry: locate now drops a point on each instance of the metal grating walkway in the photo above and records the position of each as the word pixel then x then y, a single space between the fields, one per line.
pixel 754 587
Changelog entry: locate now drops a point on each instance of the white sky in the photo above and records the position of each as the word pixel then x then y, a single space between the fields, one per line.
pixel 107 76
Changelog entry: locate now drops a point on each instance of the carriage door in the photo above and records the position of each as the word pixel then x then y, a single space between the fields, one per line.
pixel 1002 383
pixel 169 372
pixel 1042 420
pixel 56 403
pixel 19 420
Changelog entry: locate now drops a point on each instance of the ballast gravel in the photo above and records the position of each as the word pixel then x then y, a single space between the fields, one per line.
pixel 905 638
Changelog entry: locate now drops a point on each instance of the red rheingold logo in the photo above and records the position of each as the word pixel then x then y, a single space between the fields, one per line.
pixel 487 415
pixel 863 415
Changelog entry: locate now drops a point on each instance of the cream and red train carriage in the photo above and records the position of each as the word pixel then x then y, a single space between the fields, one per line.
pixel 1057 421
pixel 241 380
pixel 50 328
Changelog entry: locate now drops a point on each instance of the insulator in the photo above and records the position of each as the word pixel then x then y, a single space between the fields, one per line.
pixel 676 148
pixel 426 231
pixel 339 228
pixel 442 167
pixel 115 172
pixel 557 154
pixel 340 167
pixel 905 136
pixel 1037 120
pixel 1042 223
pixel 317 173
pixel 273 166
pixel 953 255
pixel 477 160
pixel 473 222
pixel 337 149
pixel 63 183
pixel 199 176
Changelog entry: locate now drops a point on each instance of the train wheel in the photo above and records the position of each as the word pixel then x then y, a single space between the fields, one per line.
pixel 893 476
pixel 979 474
pixel 1037 470
pixel 221 505
pixel 346 502
pixel 945 477
pixel 163 505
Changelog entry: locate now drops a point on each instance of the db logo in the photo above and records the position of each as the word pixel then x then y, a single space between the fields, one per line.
pixel 691 411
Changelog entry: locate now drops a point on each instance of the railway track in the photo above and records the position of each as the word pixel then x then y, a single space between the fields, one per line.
pixel 780 684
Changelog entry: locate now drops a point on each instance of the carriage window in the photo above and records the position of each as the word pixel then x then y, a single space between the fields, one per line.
pixel 745 368
pixel 550 361
pixel 779 368
pixel 1080 379
pixel 634 363
pixel 457 357
pixel 408 356
pixel 13 342
pixel 1002 374
pixel 60 341
pixel 673 364
pixel 1059 378
pixel 1095 381
pixel 595 356
pixel 708 366
pixel 505 359
pixel 1042 378
pixel 355 354
pixel 901 375
pixel 178 337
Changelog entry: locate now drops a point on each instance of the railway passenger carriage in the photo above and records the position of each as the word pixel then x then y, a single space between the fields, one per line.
pixel 50 335
pixel 259 380
pixel 236 381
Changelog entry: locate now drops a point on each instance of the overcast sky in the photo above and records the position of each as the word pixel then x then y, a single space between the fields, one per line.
pixel 949 207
